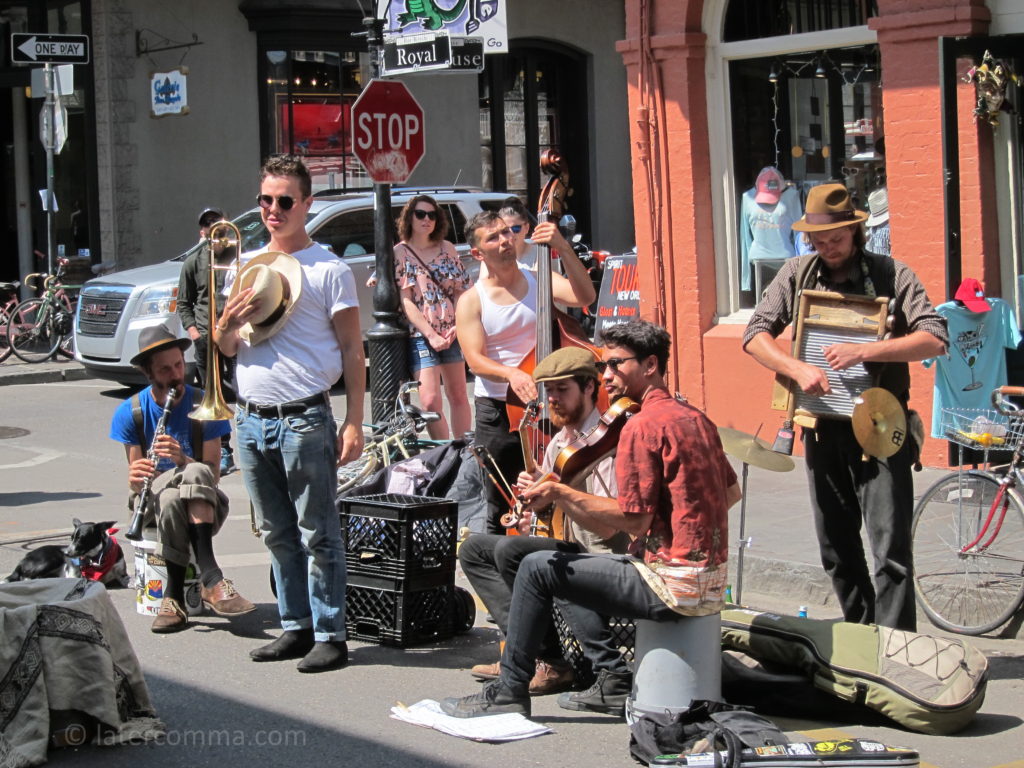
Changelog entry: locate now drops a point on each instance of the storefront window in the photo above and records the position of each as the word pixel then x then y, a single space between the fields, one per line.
pixel 309 97
pixel 753 19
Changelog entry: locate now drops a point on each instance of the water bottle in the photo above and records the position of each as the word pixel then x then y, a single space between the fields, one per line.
pixel 802 612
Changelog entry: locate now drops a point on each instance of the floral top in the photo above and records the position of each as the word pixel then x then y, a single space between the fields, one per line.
pixel 432 293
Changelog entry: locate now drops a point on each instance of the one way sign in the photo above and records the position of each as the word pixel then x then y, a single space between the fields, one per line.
pixel 30 48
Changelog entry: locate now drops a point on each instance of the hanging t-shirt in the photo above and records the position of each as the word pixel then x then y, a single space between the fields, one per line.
pixel 766 231
pixel 975 363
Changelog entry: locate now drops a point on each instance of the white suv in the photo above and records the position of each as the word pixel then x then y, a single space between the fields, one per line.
pixel 115 308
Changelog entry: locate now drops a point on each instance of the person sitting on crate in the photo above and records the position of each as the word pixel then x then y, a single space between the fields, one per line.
pixel 292 319
pixel 675 487
pixel 183 504
pixel 490 561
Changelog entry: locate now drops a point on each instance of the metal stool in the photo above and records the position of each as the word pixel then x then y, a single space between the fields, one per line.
pixel 676 662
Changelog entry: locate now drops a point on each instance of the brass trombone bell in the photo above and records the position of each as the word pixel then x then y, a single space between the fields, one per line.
pixel 214 407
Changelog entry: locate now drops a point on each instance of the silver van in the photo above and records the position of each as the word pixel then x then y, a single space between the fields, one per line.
pixel 115 308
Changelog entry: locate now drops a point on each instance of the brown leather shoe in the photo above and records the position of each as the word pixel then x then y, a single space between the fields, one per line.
pixel 486 671
pixel 223 600
pixel 170 618
pixel 551 677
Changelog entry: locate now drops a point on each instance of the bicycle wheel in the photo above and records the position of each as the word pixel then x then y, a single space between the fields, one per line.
pixel 5 347
pixel 65 323
pixel 31 331
pixel 355 472
pixel 978 591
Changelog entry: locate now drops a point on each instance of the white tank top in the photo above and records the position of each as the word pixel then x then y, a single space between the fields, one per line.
pixel 511 332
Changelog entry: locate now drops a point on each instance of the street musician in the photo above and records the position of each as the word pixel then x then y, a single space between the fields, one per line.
pixel 846 489
pixel 491 561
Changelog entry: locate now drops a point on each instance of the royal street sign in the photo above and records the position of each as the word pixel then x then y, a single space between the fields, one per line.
pixel 416 53
pixel 31 48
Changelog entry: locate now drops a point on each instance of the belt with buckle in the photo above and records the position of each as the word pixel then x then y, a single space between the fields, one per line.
pixel 281 410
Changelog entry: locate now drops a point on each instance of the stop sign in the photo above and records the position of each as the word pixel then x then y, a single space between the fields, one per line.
pixel 387 133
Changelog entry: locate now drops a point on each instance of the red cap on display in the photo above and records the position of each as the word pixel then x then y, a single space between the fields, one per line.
pixel 770 184
pixel 972 294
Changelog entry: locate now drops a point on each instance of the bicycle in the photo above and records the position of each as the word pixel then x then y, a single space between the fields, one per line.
pixel 397 440
pixel 7 304
pixel 968 528
pixel 39 328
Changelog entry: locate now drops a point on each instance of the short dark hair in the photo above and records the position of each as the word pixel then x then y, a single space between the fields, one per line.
pixel 482 220
pixel 641 337
pixel 513 206
pixel 583 381
pixel 405 219
pixel 289 165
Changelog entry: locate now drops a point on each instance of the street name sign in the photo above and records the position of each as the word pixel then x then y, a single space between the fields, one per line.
pixel 32 48
pixel 416 53
pixel 388 131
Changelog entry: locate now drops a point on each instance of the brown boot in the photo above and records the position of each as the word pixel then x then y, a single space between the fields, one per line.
pixel 223 600
pixel 486 671
pixel 551 677
pixel 170 617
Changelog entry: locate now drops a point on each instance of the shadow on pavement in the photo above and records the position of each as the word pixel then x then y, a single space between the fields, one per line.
pixel 23 498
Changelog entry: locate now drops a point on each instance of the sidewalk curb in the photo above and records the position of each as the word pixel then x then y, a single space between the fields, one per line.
pixel 44 376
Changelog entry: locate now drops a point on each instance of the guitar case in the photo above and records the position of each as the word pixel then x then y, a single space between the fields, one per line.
pixel 926 684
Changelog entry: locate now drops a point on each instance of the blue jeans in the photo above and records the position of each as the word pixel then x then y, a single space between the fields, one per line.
pixel 289 469
pixel 422 355
pixel 588 588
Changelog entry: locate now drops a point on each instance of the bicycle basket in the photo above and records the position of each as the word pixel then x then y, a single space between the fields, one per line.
pixel 982 428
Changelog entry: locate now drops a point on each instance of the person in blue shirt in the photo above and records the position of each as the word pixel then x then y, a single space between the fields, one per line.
pixel 184 504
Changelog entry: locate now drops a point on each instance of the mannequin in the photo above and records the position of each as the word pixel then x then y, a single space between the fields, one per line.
pixel 981 329
pixel 767 212
pixel 878 222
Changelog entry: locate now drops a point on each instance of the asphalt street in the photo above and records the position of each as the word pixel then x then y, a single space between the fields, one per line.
pixel 56 463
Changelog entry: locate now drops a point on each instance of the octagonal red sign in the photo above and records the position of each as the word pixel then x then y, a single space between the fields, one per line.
pixel 387 131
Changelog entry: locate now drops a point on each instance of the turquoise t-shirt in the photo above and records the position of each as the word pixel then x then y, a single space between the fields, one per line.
pixel 975 362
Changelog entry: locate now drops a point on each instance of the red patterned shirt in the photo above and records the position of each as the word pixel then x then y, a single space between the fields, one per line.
pixel 671 464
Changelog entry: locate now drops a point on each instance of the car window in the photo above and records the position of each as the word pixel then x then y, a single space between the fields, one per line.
pixel 347 233
pixel 456 223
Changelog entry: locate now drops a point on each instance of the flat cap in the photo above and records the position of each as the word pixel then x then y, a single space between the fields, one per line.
pixel 564 364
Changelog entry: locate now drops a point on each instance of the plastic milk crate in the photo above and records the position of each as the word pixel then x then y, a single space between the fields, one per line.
pixel 623 635
pixel 408 537
pixel 394 611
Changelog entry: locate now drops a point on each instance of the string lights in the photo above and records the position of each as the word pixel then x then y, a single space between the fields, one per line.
pixel 850 73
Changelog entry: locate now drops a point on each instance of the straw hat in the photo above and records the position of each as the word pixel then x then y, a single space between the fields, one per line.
pixel 276 279
pixel 829 207
pixel 878 205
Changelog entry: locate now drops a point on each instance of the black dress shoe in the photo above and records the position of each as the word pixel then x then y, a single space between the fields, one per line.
pixel 292 644
pixel 325 656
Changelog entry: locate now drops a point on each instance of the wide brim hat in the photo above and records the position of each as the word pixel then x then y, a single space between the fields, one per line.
pixel 276 278
pixel 157 338
pixel 829 207
pixel 566 363
pixel 878 207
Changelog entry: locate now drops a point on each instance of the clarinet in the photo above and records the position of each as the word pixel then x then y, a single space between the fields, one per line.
pixel 135 527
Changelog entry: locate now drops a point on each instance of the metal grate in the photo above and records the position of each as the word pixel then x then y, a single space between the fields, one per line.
pixel 99 312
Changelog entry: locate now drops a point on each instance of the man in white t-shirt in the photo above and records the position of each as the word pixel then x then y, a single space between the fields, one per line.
pixel 292 319
pixel 497 328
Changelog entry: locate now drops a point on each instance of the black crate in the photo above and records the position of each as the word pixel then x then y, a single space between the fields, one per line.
pixel 623 635
pixel 390 534
pixel 381 609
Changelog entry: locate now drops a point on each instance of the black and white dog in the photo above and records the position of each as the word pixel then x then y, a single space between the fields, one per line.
pixel 93 554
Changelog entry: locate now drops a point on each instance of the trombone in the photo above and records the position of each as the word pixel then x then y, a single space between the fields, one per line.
pixel 214 407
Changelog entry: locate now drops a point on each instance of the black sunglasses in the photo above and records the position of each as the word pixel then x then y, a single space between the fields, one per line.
pixel 419 213
pixel 284 202
pixel 611 362
pixel 516 228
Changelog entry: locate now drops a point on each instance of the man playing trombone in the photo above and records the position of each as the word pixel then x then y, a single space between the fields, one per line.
pixel 177 460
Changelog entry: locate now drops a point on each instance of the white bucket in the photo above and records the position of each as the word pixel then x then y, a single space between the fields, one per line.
pixel 150 576
pixel 675 663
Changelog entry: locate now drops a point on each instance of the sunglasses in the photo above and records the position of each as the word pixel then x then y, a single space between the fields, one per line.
pixel 611 362
pixel 516 228
pixel 284 202
pixel 420 214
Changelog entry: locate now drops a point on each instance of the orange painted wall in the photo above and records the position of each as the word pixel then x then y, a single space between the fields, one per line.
pixel 672 198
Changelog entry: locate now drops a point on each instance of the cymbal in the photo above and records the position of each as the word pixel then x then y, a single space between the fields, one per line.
pixel 753 450
pixel 879 422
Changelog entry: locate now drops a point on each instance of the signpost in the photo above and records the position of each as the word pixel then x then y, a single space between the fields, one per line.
pixel 33 48
pixel 387 133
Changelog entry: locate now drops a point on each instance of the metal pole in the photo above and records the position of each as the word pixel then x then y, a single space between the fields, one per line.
pixel 49 111
pixel 388 338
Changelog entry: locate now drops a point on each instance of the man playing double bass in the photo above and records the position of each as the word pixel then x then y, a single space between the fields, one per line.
pixel 490 561
pixel 497 328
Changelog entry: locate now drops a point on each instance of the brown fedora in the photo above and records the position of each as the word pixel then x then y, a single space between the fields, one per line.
pixel 829 207
pixel 157 338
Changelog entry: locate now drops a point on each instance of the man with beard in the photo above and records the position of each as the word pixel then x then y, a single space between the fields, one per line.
pixel 675 487
pixel 496 322
pixel 490 561
pixel 184 503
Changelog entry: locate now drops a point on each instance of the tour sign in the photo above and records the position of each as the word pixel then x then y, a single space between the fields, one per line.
pixel 31 48
pixel 388 132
